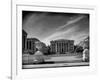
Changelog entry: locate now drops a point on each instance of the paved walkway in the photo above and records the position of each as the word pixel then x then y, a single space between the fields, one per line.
pixel 64 58
pixel 61 61
pixel 56 65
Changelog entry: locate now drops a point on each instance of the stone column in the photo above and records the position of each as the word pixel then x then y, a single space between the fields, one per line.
pixel 64 46
pixel 31 45
pixel 61 47
pixel 58 48
pixel 67 46
pixel 25 43
pixel 28 44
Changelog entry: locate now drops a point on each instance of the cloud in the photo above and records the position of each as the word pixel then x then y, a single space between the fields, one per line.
pixel 70 30
pixel 71 22
pixel 79 36
pixel 47 27
pixel 60 34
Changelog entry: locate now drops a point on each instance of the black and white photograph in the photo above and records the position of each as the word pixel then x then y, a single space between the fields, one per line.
pixel 55 39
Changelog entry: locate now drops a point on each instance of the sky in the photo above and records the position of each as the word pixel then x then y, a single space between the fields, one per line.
pixel 47 26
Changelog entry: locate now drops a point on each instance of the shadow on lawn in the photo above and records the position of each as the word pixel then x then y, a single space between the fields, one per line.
pixel 50 62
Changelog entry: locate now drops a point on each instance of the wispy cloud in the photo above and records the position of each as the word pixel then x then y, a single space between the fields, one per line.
pixel 71 22
pixel 60 34
pixel 47 27
pixel 67 31
pixel 79 36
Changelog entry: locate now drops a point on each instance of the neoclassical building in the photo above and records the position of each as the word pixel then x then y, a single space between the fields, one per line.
pixel 31 44
pixel 62 46
pixel 24 40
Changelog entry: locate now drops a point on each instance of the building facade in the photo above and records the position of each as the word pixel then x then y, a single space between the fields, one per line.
pixel 31 44
pixel 62 46
pixel 24 40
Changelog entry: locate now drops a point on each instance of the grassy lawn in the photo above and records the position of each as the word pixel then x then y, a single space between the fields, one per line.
pixel 55 58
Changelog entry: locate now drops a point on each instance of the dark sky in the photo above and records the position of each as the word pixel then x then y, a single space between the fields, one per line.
pixel 47 26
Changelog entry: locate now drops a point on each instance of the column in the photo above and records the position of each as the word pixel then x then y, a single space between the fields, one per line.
pixel 64 47
pixel 25 43
pixel 31 45
pixel 28 44
pixel 61 47
pixel 58 48
pixel 67 46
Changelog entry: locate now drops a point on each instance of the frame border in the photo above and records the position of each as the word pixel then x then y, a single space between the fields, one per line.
pixel 17 30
